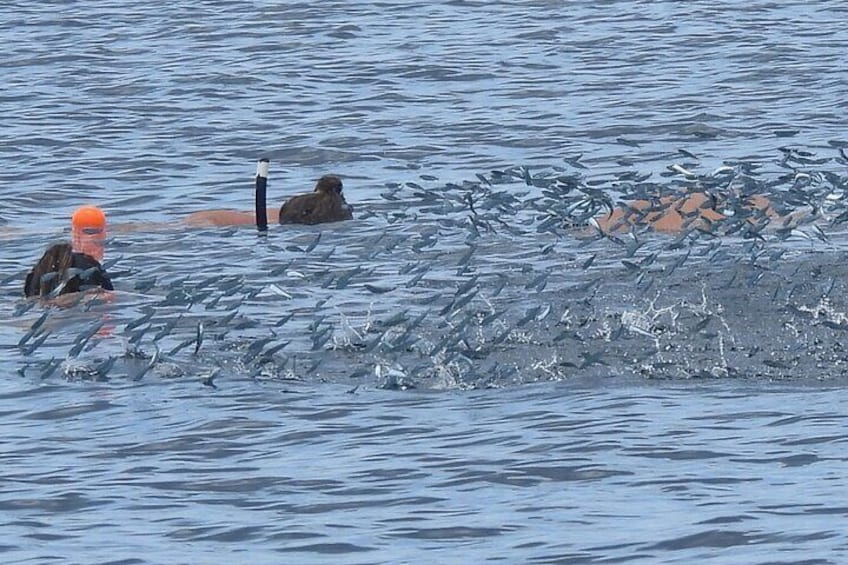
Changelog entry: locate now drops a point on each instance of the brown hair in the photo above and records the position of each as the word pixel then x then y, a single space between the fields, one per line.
pixel 325 204
pixel 329 184
pixel 49 272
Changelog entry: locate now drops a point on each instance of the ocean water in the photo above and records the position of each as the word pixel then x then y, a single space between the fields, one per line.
pixel 457 374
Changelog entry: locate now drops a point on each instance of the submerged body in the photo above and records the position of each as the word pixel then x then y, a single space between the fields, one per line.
pixel 695 211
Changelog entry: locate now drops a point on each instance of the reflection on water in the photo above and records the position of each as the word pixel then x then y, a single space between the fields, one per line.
pixel 549 473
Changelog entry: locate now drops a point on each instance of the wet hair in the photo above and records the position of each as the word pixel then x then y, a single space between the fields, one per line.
pixel 61 271
pixel 325 204
pixel 329 184
pixel 47 273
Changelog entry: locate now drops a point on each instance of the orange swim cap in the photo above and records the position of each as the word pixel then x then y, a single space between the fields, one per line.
pixel 88 231
pixel 88 217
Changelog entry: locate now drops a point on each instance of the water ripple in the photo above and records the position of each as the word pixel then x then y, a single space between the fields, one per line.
pixel 365 392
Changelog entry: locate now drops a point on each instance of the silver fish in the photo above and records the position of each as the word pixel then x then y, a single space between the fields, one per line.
pixel 83 338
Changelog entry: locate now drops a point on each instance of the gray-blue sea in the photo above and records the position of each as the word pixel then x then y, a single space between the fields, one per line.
pixel 462 373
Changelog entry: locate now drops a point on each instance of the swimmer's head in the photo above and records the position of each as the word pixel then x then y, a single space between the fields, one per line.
pixel 329 184
pixel 88 231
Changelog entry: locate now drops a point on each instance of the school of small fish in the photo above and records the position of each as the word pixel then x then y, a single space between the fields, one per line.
pixel 498 280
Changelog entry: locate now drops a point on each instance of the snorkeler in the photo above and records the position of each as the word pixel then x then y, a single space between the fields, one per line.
pixel 325 204
pixel 73 267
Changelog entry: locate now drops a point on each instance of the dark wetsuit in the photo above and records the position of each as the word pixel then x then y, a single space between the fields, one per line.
pixel 88 274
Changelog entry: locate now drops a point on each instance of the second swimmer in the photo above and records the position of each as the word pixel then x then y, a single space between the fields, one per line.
pixel 325 204
pixel 73 267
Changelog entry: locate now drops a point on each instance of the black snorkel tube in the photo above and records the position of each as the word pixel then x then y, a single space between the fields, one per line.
pixel 261 189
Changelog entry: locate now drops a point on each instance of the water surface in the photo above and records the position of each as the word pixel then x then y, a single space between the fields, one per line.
pixel 454 374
